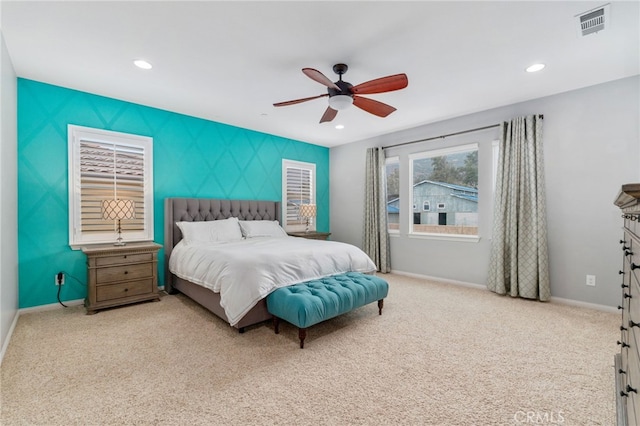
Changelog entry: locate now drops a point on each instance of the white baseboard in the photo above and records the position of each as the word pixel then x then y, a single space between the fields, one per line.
pixel 595 306
pixel 5 345
pixel 51 306
pixel 440 280
pixel 559 300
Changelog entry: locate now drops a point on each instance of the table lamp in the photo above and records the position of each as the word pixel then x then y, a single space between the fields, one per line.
pixel 118 209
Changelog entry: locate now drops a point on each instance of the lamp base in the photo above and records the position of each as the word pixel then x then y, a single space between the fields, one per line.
pixel 119 241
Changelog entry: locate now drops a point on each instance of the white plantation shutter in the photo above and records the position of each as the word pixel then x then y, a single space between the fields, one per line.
pixel 298 187
pixel 110 171
pixel 106 166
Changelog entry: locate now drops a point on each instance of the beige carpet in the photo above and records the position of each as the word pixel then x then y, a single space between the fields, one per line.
pixel 439 355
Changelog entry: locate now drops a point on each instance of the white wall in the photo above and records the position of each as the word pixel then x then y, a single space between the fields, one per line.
pixel 591 148
pixel 8 197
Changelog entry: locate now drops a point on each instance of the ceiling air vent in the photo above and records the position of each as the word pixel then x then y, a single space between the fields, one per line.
pixel 593 20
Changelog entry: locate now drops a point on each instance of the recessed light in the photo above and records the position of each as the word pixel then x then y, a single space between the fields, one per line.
pixel 535 67
pixel 340 126
pixel 141 63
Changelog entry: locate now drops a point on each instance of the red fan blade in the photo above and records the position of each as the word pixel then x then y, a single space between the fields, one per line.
pixel 329 115
pixel 319 77
pixel 373 107
pixel 381 85
pixel 297 101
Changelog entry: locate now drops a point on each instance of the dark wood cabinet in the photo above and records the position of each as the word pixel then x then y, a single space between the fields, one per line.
pixel 627 361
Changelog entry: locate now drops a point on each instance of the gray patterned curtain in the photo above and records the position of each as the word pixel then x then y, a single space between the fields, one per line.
pixel 375 235
pixel 519 264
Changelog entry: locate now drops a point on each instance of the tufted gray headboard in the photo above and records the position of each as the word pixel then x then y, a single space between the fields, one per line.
pixel 205 209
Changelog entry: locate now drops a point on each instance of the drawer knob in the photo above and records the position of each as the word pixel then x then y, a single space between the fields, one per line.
pixel 627 252
pixel 626 295
pixel 621 272
pixel 624 247
pixel 621 371
pixel 620 307
pixel 126 272
pixel 623 344
pixel 623 285
pixel 622 241
pixel 623 328
pixel 634 324
pixel 623 394
pixel 126 289
pixel 634 266
pixel 630 389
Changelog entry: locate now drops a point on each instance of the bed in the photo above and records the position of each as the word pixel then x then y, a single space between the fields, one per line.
pixel 251 254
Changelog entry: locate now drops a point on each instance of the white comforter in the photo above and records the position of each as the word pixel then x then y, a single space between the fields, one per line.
pixel 246 271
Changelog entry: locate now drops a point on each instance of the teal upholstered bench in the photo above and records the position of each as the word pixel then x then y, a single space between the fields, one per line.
pixel 311 302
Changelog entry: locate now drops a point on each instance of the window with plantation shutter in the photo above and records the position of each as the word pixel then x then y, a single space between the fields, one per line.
pixel 105 165
pixel 298 187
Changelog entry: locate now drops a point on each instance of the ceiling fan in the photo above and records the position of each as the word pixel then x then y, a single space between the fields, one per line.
pixel 342 94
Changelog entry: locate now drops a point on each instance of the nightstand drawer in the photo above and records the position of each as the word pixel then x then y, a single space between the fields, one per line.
pixel 125 258
pixel 123 273
pixel 117 291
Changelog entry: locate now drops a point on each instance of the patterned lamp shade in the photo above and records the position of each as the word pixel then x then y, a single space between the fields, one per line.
pixel 118 209
pixel 307 211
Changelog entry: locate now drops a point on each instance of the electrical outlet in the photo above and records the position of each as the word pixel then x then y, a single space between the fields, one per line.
pixel 55 278
pixel 591 280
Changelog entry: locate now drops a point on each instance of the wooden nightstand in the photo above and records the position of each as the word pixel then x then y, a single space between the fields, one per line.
pixel 118 275
pixel 312 235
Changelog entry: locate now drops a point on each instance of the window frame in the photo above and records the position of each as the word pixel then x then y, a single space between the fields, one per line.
pixel 495 156
pixel 426 206
pixel 75 136
pixel 387 161
pixel 298 225
pixel 431 153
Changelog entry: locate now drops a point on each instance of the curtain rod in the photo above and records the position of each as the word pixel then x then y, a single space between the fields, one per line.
pixel 450 134
pixel 443 136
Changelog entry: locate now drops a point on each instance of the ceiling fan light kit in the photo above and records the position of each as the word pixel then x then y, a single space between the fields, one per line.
pixel 343 94
pixel 340 102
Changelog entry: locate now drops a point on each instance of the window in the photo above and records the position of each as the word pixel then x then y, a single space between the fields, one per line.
pixel 298 187
pixel 448 179
pixel 105 165
pixel 392 176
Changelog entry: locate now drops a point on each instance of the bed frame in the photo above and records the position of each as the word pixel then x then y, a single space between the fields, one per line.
pixel 205 209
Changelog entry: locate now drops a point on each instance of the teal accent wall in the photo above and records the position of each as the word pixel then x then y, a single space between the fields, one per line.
pixel 192 157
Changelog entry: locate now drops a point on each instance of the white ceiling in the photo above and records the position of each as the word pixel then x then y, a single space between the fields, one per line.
pixel 230 61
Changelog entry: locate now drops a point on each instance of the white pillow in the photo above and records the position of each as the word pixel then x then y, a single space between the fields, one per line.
pixel 212 231
pixel 261 228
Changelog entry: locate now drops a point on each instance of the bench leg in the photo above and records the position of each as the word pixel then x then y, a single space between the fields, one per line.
pixel 380 305
pixel 302 334
pixel 276 324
